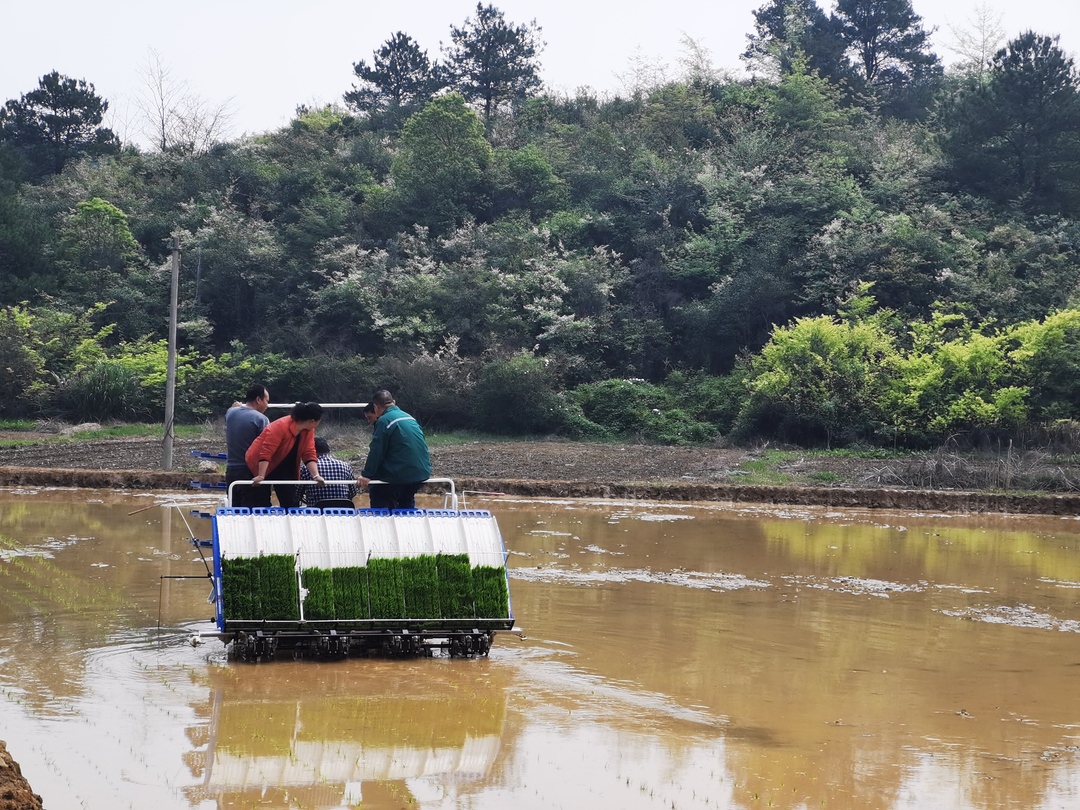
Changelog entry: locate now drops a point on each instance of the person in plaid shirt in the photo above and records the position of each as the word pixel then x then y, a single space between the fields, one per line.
pixel 332 469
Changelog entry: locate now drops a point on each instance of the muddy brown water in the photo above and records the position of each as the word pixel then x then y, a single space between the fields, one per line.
pixel 677 656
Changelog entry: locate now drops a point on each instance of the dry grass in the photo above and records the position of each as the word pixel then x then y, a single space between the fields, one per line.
pixel 1013 471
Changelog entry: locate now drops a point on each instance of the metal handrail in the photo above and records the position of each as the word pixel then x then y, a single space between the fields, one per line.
pixel 325 405
pixel 450 498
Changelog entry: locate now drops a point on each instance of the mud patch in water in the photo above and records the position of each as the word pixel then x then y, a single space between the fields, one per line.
pixel 686 579
pixel 1019 616
pixel 1060 583
pixel 592 549
pixel 857 585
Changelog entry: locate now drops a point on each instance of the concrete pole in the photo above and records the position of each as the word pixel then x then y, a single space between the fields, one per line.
pixel 170 379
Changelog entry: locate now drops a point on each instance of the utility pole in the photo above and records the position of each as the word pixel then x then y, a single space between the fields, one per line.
pixel 170 379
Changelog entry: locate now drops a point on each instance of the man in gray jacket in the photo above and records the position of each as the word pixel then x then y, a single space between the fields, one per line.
pixel 243 423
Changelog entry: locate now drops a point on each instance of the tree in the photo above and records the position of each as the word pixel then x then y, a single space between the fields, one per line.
pixel 908 258
pixel 244 284
pixel 525 380
pixel 957 376
pixel 58 121
pixel 822 379
pixel 1037 96
pixel 21 365
pixel 493 63
pixel 174 118
pixel 889 48
pixel 697 63
pixel 99 260
pixel 885 38
pixel 643 74
pixel 524 179
pixel 441 171
pixel 24 235
pixel 1015 135
pixel 96 236
pixel 796 34
pixel 399 79
pixel 978 44
pixel 1047 359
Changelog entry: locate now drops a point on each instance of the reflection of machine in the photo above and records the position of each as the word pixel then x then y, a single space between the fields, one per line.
pixel 348 739
pixel 348 581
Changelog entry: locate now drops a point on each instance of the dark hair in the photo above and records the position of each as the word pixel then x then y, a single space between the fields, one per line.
pixel 322 446
pixel 382 397
pixel 369 408
pixel 255 392
pixel 303 411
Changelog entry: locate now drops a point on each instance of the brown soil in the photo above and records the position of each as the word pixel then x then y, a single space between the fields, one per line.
pixel 15 792
pixel 529 460
pixel 533 461
pixel 939 481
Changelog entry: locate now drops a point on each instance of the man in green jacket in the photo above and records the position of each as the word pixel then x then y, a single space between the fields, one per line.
pixel 397 457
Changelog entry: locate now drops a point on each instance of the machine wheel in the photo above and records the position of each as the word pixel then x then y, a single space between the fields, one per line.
pixel 263 646
pixel 483 644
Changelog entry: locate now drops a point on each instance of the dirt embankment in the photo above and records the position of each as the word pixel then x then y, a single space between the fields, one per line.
pixel 929 481
pixel 15 792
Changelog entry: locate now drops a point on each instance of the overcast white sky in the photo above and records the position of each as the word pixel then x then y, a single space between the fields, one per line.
pixel 267 56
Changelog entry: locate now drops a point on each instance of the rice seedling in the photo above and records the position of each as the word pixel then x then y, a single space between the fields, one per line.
pixel 420 587
pixel 455 586
pixel 320 600
pixel 443 586
pixel 278 587
pixel 490 592
pixel 237 590
pixel 386 588
pixel 351 593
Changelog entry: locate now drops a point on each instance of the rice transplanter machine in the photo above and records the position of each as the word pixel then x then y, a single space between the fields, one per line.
pixel 338 581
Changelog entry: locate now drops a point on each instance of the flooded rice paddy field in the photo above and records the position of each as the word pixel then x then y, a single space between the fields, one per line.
pixel 677 656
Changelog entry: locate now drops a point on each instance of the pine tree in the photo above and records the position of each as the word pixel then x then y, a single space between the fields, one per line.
pixel 400 79
pixel 492 62
pixel 58 121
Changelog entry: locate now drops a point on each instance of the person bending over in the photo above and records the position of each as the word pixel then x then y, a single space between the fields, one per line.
pixel 277 453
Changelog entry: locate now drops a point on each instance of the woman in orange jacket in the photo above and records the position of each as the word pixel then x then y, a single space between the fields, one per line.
pixel 277 452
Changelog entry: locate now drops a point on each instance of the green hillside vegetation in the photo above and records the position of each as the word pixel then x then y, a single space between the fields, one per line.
pixel 851 246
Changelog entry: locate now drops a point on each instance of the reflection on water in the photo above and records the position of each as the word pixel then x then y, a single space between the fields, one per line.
pixel 678 656
pixel 344 727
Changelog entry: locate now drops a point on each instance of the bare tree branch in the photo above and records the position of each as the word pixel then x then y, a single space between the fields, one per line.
pixel 644 74
pixel 978 43
pixel 696 61
pixel 175 119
